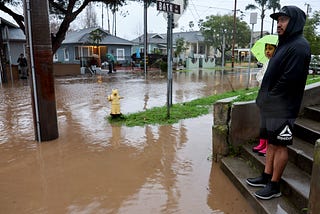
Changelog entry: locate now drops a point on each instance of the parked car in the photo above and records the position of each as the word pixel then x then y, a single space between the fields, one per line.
pixel 314 67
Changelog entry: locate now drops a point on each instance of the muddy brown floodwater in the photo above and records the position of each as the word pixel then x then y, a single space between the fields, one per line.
pixel 94 167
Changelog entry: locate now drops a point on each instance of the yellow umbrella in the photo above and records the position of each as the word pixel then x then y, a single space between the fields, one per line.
pixel 258 48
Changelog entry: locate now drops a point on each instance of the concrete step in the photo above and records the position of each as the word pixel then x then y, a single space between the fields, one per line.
pixel 237 169
pixel 312 112
pixel 295 183
pixel 301 154
pixel 307 129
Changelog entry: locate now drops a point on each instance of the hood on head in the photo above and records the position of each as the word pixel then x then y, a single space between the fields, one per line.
pixel 297 19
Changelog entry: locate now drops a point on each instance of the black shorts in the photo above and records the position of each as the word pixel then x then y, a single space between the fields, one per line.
pixel 279 131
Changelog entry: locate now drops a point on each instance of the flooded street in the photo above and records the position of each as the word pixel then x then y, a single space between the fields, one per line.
pixel 96 168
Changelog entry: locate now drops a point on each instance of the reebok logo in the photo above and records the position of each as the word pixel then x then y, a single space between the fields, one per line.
pixel 285 134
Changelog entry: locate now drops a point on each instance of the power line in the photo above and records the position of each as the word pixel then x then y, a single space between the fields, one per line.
pixel 195 8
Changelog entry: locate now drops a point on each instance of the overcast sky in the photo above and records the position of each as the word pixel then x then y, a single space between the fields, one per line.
pixel 131 26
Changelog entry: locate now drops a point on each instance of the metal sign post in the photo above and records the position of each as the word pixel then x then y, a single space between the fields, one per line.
pixel 169 61
pixel 253 20
pixel 170 8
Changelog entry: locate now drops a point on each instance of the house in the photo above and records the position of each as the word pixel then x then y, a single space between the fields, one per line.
pixel 242 54
pixel 12 44
pixel 197 53
pixel 13 41
pixel 157 43
pixel 81 45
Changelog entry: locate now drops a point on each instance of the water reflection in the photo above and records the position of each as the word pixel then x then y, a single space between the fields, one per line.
pixel 95 167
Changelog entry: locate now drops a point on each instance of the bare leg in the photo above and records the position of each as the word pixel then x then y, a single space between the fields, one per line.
pixel 270 155
pixel 280 162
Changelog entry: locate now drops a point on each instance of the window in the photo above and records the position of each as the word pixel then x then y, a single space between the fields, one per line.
pixel 66 54
pixel 76 53
pixel 55 57
pixel 120 54
pixel 82 51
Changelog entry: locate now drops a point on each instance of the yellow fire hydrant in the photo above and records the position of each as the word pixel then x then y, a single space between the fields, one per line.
pixel 114 98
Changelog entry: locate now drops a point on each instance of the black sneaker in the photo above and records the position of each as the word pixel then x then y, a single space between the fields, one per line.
pixel 272 190
pixel 260 181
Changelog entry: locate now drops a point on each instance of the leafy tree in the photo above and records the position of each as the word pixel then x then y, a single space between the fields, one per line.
pixel 310 32
pixel 180 46
pixel 95 37
pixel 274 5
pixel 262 6
pixel 14 3
pixel 66 10
pixel 215 27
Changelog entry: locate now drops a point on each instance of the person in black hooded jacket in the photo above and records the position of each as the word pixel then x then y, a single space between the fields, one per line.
pixel 280 96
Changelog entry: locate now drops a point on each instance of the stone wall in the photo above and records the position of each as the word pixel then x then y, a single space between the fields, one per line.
pixel 208 63
pixel 192 63
pixel 233 124
pixel 239 122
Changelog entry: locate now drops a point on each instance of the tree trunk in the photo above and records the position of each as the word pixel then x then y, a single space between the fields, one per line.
pixel 41 67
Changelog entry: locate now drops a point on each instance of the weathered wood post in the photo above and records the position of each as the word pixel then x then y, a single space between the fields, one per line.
pixel 314 196
pixel 41 67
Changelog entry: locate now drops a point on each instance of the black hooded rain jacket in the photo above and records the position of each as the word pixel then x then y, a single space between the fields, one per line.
pixel 282 87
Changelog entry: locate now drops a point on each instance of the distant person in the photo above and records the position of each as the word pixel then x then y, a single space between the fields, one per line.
pixel 261 148
pixel 22 66
pixel 280 97
pixel 110 60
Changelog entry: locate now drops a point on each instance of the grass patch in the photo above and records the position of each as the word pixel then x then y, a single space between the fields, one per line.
pixel 313 79
pixel 179 111
pixel 194 108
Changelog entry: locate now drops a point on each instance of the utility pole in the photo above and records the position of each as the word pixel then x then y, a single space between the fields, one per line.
pixel 145 52
pixel 41 63
pixel 234 31
pixel 108 19
pixel 102 15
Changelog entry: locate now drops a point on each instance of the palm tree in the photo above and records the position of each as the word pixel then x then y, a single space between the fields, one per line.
pixel 274 5
pixel 262 7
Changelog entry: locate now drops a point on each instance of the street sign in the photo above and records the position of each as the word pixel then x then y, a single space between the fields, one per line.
pixel 176 17
pixel 168 7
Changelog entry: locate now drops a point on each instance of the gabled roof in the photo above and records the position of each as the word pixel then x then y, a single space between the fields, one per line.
pixel 15 33
pixel 5 22
pixel 192 36
pixel 153 38
pixel 82 37
pixel 157 36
